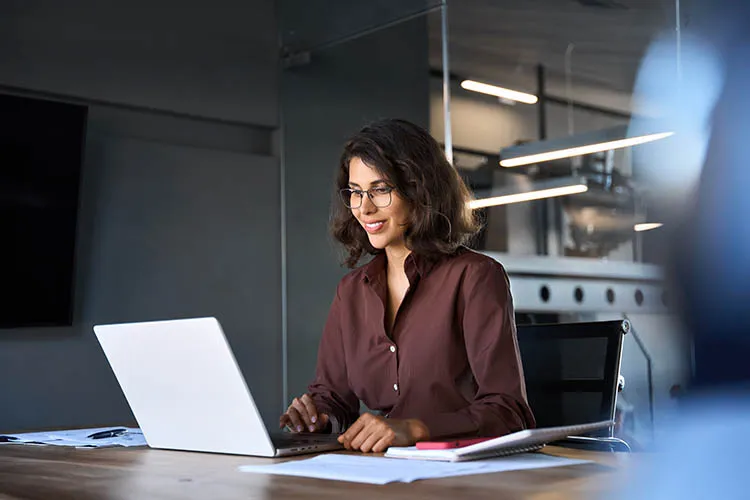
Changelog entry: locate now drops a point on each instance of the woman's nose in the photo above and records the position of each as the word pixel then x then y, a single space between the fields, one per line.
pixel 368 206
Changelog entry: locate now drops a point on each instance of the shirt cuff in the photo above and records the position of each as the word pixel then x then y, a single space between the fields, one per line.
pixel 335 425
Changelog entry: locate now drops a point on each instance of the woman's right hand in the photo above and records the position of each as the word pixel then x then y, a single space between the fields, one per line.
pixel 302 416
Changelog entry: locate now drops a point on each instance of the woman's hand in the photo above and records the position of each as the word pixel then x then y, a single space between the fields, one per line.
pixel 302 416
pixel 376 434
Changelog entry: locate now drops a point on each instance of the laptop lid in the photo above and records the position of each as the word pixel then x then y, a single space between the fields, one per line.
pixel 184 386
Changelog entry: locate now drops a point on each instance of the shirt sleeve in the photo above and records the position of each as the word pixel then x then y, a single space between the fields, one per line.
pixel 499 406
pixel 330 389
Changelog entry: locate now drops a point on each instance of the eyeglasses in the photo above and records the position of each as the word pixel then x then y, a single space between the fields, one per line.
pixel 379 196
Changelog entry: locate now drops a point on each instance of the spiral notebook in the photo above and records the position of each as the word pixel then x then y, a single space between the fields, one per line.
pixel 518 442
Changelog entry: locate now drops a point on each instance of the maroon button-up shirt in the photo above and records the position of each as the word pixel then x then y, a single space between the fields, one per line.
pixel 452 360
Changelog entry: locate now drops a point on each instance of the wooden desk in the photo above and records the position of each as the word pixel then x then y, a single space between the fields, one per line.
pixel 31 472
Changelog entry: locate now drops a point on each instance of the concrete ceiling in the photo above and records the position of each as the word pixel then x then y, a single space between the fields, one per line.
pixel 504 40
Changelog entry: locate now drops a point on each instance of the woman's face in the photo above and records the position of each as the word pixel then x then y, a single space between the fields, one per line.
pixel 383 214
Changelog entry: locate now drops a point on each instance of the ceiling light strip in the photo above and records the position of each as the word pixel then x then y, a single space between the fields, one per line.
pixel 582 150
pixel 504 93
pixel 528 196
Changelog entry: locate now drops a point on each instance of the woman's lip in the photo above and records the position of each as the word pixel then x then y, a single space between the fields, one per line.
pixel 374 227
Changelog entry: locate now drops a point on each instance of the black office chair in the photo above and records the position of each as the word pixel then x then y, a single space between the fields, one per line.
pixel 572 373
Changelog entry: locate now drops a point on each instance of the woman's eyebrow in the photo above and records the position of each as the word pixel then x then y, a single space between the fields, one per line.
pixel 373 183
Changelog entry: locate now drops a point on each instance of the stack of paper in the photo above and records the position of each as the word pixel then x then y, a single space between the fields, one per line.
pixel 78 437
pixel 376 470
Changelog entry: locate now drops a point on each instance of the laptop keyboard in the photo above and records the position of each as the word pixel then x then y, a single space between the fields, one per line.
pixel 289 439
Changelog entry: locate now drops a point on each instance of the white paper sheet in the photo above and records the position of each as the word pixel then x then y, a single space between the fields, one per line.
pixel 377 470
pixel 78 438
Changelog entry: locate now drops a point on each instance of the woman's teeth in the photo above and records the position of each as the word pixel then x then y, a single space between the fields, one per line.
pixel 374 226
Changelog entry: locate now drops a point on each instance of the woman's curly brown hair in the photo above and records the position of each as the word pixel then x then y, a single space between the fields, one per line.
pixel 440 219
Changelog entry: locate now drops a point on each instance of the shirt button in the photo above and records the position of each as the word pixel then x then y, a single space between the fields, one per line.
pixel 393 348
pixel 395 387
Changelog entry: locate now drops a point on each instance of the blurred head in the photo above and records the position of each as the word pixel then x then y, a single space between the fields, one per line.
pixel 395 188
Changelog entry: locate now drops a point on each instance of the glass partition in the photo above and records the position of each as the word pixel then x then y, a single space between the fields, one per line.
pixel 528 73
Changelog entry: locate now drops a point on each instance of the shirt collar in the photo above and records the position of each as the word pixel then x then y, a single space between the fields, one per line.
pixel 375 269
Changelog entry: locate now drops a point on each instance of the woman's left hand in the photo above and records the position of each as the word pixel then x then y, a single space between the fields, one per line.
pixel 376 434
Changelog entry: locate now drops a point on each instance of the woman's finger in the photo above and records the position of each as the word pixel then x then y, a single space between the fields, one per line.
pixel 312 411
pixel 363 435
pixel 351 433
pixel 370 442
pixel 296 420
pixel 302 411
pixel 382 444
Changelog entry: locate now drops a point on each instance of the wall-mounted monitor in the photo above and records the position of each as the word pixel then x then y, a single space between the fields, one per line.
pixel 41 155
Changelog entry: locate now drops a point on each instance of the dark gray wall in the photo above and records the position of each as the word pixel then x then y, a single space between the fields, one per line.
pixel 180 206
pixel 215 60
pixel 169 232
pixel 381 75
pixel 314 23
pixel 181 210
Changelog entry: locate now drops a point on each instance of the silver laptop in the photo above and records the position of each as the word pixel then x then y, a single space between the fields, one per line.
pixel 186 391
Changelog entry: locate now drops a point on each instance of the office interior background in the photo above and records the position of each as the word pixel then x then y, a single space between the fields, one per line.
pixel 212 136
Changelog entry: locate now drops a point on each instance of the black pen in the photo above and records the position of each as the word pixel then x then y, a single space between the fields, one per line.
pixel 107 434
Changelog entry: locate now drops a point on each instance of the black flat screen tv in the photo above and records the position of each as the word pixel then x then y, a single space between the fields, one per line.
pixel 41 155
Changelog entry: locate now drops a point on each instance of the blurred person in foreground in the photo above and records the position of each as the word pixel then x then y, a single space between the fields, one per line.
pixel 423 333
pixel 704 454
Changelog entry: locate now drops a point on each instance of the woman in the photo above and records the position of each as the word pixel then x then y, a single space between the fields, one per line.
pixel 424 333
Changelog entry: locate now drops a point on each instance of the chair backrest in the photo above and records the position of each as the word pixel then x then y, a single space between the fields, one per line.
pixel 572 370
